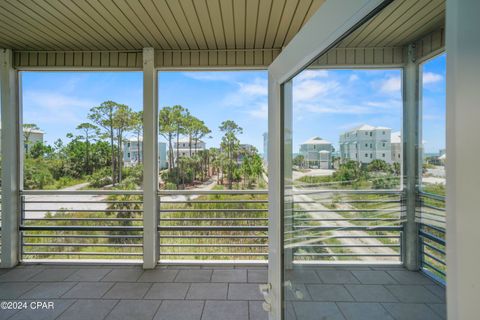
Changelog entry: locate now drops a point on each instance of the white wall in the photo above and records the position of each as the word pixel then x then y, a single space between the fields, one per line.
pixel 463 149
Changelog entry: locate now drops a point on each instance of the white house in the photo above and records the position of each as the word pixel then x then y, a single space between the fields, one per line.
pixel 184 148
pixel 33 136
pixel 365 144
pixel 133 152
pixel 396 143
pixel 317 153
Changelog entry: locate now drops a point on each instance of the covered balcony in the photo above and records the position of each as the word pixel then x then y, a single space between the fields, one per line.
pixel 368 247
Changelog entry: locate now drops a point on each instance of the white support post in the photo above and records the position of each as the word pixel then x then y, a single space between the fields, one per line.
pixel 275 197
pixel 411 150
pixel 150 164
pixel 288 200
pixel 10 152
pixel 463 154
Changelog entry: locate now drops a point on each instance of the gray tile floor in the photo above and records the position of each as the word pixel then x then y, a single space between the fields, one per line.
pixel 223 293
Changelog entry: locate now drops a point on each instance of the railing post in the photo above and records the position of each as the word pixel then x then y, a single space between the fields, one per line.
pixel 11 158
pixel 150 164
pixel 412 149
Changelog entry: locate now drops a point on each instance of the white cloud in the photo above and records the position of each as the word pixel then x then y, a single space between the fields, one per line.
pixel 54 101
pixel 430 77
pixel 259 87
pixel 337 109
pixel 308 90
pixel 392 84
pixel 55 108
pixel 311 74
pixel 353 77
pixel 211 76
pixel 261 112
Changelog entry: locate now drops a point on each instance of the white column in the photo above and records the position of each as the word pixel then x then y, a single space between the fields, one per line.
pixel 288 202
pixel 275 197
pixel 463 154
pixel 411 151
pixel 10 159
pixel 150 164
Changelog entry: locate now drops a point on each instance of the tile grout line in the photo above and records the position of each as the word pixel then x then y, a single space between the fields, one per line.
pixel 158 308
pixel 108 313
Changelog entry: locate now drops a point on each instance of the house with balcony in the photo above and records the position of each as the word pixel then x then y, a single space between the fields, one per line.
pixel 285 253
pixel 187 148
pixel 366 143
pixel 317 153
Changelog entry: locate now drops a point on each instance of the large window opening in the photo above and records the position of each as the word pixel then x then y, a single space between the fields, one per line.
pixel 212 139
pixel 431 200
pixel 344 176
pixel 82 165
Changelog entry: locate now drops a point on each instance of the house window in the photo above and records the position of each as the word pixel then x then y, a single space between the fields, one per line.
pixel 128 155
pixel 383 144
pixel 366 155
pixel 366 145
pixel 371 155
pixel 371 133
pixel 383 155
pixel 383 132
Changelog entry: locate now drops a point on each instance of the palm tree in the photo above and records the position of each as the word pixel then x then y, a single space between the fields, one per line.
pixel 90 131
pixel 103 116
pixel 167 130
pixel 230 144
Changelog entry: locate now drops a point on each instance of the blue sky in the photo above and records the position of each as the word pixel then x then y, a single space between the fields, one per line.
pixel 326 103
pixel 434 104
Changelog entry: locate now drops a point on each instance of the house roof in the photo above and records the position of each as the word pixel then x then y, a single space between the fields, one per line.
pixel 316 140
pixel 367 127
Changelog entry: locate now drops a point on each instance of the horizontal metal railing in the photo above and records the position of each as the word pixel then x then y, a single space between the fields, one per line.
pixel 213 225
pixel 431 217
pixel 349 225
pixel 81 225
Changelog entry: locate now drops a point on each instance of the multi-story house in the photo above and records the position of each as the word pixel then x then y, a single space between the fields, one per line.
pixel 133 152
pixel 30 137
pixel 317 153
pixel 184 148
pixel 365 144
pixel 396 143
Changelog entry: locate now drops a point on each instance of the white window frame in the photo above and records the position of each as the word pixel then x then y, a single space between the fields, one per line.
pixel 330 23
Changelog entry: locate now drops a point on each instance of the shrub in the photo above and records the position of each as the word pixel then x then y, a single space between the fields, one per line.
pixel 36 175
pixel 100 178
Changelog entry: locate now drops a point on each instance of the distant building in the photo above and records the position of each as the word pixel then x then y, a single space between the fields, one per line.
pixel 265 146
pixel 133 153
pixel 245 149
pixel 34 136
pixel 184 150
pixel 317 153
pixel 396 144
pixel 365 144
